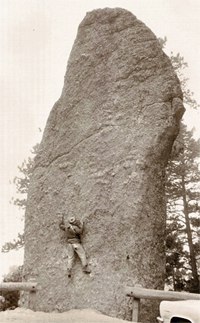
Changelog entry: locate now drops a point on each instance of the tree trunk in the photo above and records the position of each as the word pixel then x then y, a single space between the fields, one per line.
pixel 102 159
pixel 189 238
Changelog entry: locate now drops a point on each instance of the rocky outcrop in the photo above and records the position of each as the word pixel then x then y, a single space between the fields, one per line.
pixel 102 158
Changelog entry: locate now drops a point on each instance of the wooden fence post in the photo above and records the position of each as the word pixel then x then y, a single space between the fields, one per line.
pixel 12 286
pixel 136 309
pixel 137 293
pixel 28 290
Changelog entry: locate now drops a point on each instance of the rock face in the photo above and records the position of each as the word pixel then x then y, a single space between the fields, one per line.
pixel 102 158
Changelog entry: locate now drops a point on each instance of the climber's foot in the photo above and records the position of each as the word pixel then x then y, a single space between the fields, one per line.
pixel 86 270
pixel 69 274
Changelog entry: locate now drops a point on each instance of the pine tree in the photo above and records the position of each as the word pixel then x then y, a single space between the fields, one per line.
pixel 22 184
pixel 183 223
pixel 183 200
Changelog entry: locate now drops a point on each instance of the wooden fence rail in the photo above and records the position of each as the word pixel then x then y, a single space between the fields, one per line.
pixel 137 292
pixel 26 286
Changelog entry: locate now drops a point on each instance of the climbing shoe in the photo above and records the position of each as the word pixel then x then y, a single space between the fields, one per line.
pixel 86 270
pixel 69 274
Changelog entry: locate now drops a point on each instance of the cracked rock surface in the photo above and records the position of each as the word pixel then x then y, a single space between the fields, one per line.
pixel 102 158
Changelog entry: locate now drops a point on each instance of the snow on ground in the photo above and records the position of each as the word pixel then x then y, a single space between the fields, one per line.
pixel 20 315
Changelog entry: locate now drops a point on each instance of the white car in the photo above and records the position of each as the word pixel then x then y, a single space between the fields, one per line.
pixel 180 311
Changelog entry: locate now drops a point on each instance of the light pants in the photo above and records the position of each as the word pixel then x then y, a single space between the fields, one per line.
pixel 72 249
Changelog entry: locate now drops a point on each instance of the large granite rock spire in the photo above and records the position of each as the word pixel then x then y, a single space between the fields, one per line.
pixel 103 158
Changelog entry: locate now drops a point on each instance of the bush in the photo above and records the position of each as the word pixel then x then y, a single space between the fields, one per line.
pixel 9 299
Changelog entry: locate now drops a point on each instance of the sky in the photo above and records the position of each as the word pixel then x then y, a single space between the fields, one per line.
pixel 36 37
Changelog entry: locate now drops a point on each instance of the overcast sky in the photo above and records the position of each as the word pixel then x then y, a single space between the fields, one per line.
pixel 36 37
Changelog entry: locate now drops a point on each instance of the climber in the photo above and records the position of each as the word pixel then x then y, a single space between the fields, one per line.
pixel 74 228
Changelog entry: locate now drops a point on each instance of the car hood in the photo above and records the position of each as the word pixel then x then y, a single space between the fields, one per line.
pixel 189 310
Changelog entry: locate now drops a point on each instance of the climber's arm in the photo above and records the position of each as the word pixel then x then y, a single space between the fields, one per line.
pixel 77 229
pixel 74 228
pixel 62 226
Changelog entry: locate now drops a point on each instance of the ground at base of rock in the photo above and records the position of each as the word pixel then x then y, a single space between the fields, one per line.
pixel 20 315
